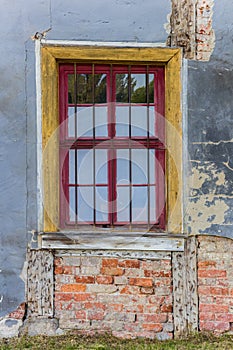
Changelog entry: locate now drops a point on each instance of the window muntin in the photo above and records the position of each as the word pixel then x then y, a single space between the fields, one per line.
pixel 112 160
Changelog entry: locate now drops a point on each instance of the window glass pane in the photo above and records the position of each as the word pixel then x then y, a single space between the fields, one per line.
pixel 85 121
pixel 101 121
pixel 71 122
pixel 84 89
pixel 152 160
pixel 139 121
pixel 71 89
pixel 101 204
pixel 101 166
pixel 100 88
pixel 138 88
pixel 71 203
pixel 123 204
pixel 85 204
pixel 85 166
pixel 151 88
pixel 122 88
pixel 152 126
pixel 152 204
pixel 85 86
pixel 122 120
pixel 123 166
pixel 139 204
pixel 139 166
pixel 72 166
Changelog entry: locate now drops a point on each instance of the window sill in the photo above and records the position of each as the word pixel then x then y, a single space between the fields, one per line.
pixel 134 241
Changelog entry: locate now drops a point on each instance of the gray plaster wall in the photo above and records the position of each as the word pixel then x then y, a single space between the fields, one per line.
pixel 104 20
pixel 210 132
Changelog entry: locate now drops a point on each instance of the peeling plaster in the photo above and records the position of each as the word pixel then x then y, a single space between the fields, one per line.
pixel 190 27
pixel 206 206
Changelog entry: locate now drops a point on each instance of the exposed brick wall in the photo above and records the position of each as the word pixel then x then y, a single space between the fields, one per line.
pixel 127 297
pixel 191 28
pixel 215 284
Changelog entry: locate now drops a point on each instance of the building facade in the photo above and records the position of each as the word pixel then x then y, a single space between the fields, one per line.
pixel 116 181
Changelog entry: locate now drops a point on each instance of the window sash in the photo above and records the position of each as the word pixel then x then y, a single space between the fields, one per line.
pixel 111 142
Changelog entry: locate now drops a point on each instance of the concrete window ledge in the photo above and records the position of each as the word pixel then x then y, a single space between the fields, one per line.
pixel 134 241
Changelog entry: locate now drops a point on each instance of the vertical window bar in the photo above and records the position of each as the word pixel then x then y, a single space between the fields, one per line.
pixel 148 149
pixel 130 151
pixel 76 135
pixel 93 124
pixel 112 154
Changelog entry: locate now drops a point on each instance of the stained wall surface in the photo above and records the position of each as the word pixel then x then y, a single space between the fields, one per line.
pixel 118 20
pixel 210 133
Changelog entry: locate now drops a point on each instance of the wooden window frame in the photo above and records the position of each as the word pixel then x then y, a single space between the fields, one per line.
pixel 171 59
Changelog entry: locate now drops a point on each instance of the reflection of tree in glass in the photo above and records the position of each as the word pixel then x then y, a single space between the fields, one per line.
pixel 85 86
pixel 122 88
pixel 85 89
pixel 137 95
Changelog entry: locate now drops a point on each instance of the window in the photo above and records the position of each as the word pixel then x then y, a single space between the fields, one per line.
pixel 125 152
pixel 112 152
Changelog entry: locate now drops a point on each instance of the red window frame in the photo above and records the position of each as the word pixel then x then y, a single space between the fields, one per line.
pixel 112 143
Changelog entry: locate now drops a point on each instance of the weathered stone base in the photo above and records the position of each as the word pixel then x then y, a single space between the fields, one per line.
pixel 40 326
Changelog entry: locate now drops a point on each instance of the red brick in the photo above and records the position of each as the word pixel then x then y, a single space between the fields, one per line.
pixel 204 290
pixel 67 306
pixel 18 313
pixel 147 290
pixel 80 315
pixel 64 296
pixel 135 308
pixel 214 326
pixel 83 297
pixel 94 305
pixel 212 273
pixel 116 307
pixel 68 270
pixel 149 273
pixel 224 317
pixel 142 282
pixel 85 279
pixel 73 287
pixel 112 271
pixel 219 291
pixel 153 318
pixel 130 264
pixel 110 262
pixel 210 316
pixel 156 327
pixel 58 270
pixel 166 308
pixel 104 279
pixel 57 261
pixel 129 290
pixel 213 308
pixel 206 263
pixel 95 315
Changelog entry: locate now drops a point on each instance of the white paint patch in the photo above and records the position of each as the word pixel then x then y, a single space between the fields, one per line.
pixel 101 43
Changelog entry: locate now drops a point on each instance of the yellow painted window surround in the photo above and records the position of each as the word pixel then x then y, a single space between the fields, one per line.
pixel 171 59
